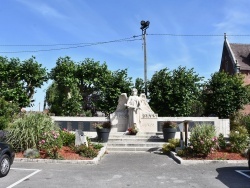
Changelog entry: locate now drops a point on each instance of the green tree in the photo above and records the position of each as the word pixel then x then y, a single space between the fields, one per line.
pixel 63 96
pixel 118 82
pixel 8 110
pixel 20 79
pixel 140 85
pixel 173 93
pixel 91 76
pixel 224 94
pixel 79 88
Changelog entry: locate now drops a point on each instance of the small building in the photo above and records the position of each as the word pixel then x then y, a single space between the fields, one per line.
pixel 236 59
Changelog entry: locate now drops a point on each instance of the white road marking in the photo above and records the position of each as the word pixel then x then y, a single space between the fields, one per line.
pixel 242 172
pixel 26 177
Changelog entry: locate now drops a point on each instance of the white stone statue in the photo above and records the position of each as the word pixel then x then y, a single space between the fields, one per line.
pixel 133 105
pixel 134 111
pixel 144 106
pixel 121 102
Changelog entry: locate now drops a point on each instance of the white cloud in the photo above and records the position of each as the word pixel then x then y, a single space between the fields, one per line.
pixel 42 8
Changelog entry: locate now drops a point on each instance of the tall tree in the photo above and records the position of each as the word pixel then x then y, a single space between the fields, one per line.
pixel 8 110
pixel 91 75
pixel 63 96
pixel 173 93
pixel 140 85
pixel 118 82
pixel 224 94
pixel 86 86
pixel 20 79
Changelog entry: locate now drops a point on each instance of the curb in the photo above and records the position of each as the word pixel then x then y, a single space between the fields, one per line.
pixel 179 160
pixel 94 161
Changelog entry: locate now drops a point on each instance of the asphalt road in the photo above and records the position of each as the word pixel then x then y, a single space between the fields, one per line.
pixel 118 170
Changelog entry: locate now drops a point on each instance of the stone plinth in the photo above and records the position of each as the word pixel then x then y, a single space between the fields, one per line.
pixel 148 122
pixel 119 121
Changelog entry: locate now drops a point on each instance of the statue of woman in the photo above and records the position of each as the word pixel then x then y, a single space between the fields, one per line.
pixel 133 105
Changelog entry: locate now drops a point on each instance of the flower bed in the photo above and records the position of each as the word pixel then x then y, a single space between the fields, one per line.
pixel 65 153
pixel 217 155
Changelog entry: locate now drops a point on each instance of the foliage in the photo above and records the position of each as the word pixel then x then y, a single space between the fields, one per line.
pixel 238 119
pixel 20 79
pixel 221 141
pixel 27 131
pixel 63 96
pixel 106 124
pixel 169 124
pixel 116 83
pixel 8 110
pixel 171 145
pixel 239 139
pixel 97 146
pixel 67 137
pixel 83 87
pixel 31 153
pixel 202 139
pixel 51 142
pixel 85 151
pixel 140 85
pixel 91 74
pixel 224 94
pixel 172 93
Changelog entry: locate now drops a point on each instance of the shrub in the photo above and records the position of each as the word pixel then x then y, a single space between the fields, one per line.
pixel 238 139
pixel 27 131
pixel 51 142
pixel 221 141
pixel 85 151
pixel 68 138
pixel 202 139
pixel 97 146
pixel 171 145
pixel 31 153
pixel 238 120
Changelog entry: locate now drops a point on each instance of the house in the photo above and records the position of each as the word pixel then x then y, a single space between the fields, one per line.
pixel 236 59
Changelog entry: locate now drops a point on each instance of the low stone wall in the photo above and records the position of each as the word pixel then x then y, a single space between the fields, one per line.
pixel 86 123
pixel 221 125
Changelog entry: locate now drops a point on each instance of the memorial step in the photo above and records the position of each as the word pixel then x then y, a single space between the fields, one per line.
pixel 135 139
pixel 134 149
pixel 143 142
pixel 134 144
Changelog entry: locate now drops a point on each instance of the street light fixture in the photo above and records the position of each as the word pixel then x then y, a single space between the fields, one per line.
pixel 144 26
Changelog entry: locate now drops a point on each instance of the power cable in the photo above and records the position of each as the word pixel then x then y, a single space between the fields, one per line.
pixel 129 39
pixel 198 35
pixel 72 46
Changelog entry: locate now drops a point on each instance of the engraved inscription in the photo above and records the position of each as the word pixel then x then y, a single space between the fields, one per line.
pixel 148 116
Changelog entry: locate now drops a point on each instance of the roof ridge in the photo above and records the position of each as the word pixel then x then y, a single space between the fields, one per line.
pixel 243 44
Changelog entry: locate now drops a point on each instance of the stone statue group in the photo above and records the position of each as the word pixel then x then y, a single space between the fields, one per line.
pixel 136 106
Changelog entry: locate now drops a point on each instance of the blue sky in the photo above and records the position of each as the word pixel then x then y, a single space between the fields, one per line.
pixel 49 22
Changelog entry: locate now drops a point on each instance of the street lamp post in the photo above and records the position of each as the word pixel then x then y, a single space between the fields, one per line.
pixel 144 26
